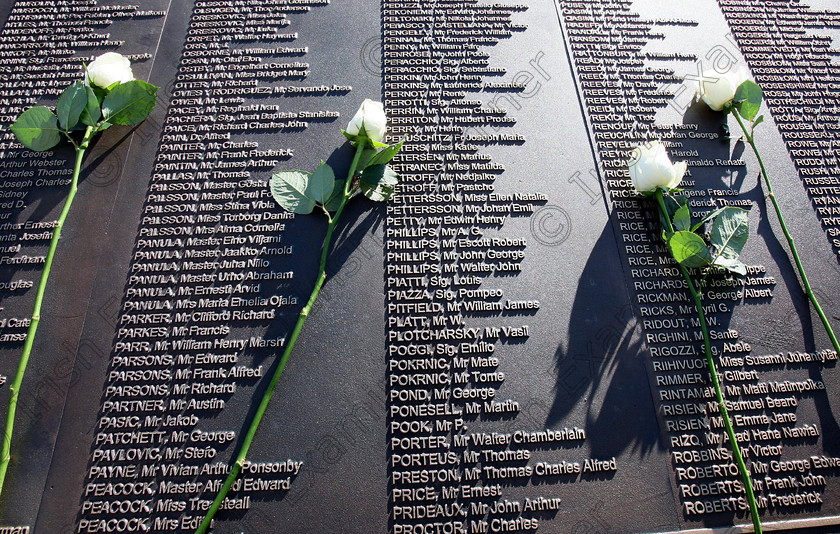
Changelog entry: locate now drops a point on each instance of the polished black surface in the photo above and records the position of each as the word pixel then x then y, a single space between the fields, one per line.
pixel 502 348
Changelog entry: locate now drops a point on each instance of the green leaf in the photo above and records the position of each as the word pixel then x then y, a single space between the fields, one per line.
pixel 730 232
pixel 364 138
pixel 380 174
pixel 378 181
pixel 356 138
pixel 332 204
pixel 758 120
pixel 129 103
pixel 672 204
pixel 379 193
pixel 321 184
pixel 70 105
pixel 707 218
pixel 92 113
pixel 731 264
pixel 386 154
pixel 364 159
pixel 99 93
pixel 748 99
pixel 689 249
pixel 682 218
pixel 37 129
pixel 291 190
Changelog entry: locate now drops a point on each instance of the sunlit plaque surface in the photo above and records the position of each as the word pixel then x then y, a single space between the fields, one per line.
pixel 506 346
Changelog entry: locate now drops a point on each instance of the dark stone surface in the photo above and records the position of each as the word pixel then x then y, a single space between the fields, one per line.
pixel 587 362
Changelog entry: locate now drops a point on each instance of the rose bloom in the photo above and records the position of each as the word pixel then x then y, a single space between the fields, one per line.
pixel 717 90
pixel 108 69
pixel 651 168
pixel 371 114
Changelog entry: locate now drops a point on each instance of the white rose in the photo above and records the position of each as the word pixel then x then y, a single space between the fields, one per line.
pixel 651 168
pixel 717 90
pixel 108 69
pixel 371 114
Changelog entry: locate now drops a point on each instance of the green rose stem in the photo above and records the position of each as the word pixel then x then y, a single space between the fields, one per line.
pixel 698 303
pixel 14 389
pixel 808 291
pixel 269 392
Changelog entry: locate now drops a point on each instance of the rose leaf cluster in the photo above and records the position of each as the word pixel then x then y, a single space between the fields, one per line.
pixel 301 191
pixel 720 248
pixel 109 95
pixel 652 173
